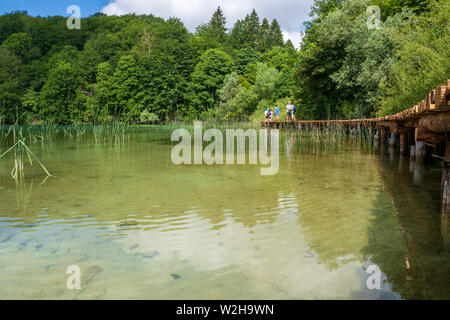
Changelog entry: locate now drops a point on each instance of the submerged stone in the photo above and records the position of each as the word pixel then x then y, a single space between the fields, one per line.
pixel 175 276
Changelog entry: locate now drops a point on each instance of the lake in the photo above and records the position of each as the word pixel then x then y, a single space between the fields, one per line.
pixel 140 227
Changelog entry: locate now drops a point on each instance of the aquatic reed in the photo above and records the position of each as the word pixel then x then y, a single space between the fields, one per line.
pixel 21 153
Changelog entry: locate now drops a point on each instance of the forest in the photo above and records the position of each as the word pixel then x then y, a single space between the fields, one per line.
pixel 144 69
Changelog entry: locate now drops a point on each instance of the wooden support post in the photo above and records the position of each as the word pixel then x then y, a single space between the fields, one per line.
pixel 392 140
pixel 412 153
pixel 376 139
pixel 382 135
pixel 445 218
pixel 418 173
pixel 420 148
pixel 420 152
pixel 446 179
pixel 403 143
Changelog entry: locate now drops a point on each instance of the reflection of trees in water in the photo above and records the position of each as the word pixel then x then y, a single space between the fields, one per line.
pixel 334 203
pixel 404 235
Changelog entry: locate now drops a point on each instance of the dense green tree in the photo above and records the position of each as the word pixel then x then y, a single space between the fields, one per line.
pixel 10 67
pixel 217 25
pixel 391 7
pixel 422 60
pixel 21 45
pixel 280 57
pixel 275 35
pixel 266 78
pixel 245 56
pixel 168 66
pixel 208 76
pixel 322 54
pixel 236 101
pixel 99 48
pixel 288 45
pixel 251 29
pixel 238 34
pixel 60 95
pixel 11 23
pixel 263 36
pixel 126 90
pixel 131 66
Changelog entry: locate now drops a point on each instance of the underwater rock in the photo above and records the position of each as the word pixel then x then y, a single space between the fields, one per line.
pixel 134 247
pixel 175 276
pixel 149 255
pixel 152 254
pixel 24 243
pixel 92 272
pixel 309 255
pixel 127 223
pixel 5 237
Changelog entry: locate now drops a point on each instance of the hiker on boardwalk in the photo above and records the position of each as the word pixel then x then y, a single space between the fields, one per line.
pixel 268 114
pixel 276 112
pixel 294 108
pixel 288 111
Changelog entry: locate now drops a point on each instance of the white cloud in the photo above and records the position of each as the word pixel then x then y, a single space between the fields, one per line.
pixel 295 37
pixel 289 13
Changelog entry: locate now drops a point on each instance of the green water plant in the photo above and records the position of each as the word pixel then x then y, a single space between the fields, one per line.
pixel 21 153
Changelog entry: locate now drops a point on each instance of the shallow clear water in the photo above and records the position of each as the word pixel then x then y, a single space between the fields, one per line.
pixel 140 227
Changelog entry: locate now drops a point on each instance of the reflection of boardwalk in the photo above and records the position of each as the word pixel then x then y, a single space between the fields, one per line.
pixel 420 268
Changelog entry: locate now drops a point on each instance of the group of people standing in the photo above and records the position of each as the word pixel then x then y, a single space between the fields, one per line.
pixel 290 112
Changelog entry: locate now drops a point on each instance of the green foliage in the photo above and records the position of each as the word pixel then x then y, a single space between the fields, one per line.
pixel 280 57
pixel 391 7
pixel 251 29
pixel 141 68
pixel 217 25
pixel 148 117
pixel 10 68
pixel 422 61
pixel 263 36
pixel 275 37
pixel 21 45
pixel 266 78
pixel 208 76
pixel 59 97
pixel 345 67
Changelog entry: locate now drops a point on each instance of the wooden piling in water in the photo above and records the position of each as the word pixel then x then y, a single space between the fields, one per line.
pixel 412 153
pixel 382 135
pixel 403 143
pixel 393 140
pixel 446 179
pixel 420 151
pixel 445 217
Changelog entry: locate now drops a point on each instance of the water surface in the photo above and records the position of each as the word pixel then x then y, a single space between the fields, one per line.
pixel 140 227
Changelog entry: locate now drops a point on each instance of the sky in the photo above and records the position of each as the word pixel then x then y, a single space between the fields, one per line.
pixel 290 13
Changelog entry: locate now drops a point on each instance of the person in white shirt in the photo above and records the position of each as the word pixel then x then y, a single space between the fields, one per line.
pixel 288 111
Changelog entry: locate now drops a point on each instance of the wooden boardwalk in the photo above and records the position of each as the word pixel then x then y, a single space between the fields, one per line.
pixel 431 114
